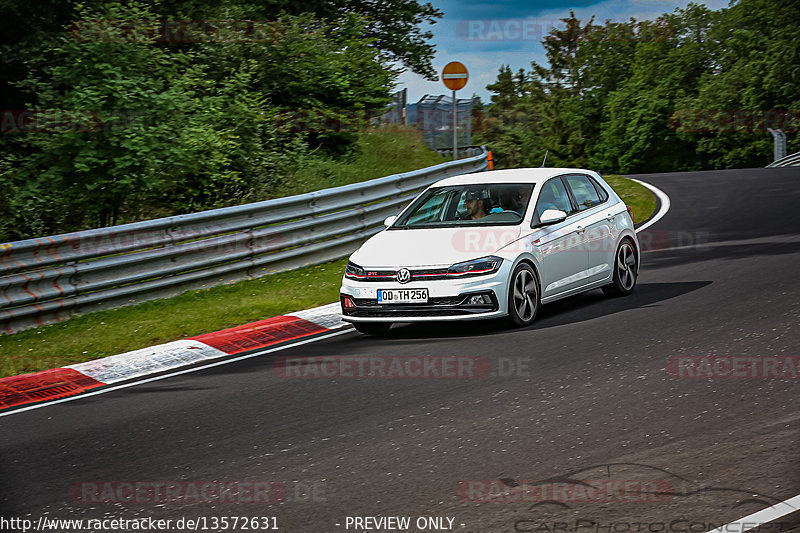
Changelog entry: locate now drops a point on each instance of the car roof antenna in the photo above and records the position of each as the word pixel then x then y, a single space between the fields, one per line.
pixel 545 158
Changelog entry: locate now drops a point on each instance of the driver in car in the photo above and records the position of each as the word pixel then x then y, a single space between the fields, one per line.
pixel 474 202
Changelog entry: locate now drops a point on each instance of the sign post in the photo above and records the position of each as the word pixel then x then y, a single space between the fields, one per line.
pixel 455 77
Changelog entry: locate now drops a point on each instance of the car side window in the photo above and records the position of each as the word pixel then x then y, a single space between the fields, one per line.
pixel 583 191
pixel 553 196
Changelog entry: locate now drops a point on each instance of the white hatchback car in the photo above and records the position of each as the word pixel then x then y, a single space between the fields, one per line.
pixel 476 246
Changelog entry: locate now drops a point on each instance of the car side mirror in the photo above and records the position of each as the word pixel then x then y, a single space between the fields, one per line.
pixel 552 216
pixel 389 221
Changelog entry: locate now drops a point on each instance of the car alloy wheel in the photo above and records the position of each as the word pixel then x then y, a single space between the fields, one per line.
pixel 625 271
pixel 523 298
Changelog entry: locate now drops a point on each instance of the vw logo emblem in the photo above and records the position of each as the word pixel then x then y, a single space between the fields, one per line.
pixel 403 275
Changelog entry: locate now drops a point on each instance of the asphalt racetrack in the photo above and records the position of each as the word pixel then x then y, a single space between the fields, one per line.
pixel 587 397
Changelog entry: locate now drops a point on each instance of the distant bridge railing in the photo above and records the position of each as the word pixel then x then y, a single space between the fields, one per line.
pixel 49 279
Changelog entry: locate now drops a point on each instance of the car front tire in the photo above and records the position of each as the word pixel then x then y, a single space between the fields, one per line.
pixel 373 328
pixel 625 270
pixel 524 299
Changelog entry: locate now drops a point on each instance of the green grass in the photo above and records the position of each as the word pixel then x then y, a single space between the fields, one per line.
pixel 641 200
pixel 381 152
pixel 105 333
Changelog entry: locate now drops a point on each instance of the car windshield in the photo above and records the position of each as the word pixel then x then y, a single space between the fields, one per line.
pixel 463 205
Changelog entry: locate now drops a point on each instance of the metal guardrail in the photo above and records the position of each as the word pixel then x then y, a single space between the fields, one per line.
pixel 792 160
pixel 49 279
pixel 466 151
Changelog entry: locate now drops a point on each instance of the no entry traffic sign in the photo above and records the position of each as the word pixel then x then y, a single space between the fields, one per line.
pixel 455 75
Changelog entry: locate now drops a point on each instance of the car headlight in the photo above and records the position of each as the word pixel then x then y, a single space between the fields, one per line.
pixel 476 267
pixel 353 271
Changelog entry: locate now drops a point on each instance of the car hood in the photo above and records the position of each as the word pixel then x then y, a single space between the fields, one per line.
pixel 432 246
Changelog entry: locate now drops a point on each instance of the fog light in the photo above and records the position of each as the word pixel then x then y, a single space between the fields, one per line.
pixel 348 303
pixel 475 300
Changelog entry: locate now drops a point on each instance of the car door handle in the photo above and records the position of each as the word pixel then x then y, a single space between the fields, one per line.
pixel 610 217
pixel 580 229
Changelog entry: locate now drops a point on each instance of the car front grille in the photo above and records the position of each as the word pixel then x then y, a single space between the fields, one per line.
pixel 416 275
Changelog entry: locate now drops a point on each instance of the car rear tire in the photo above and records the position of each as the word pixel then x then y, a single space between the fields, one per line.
pixel 625 270
pixel 524 299
pixel 373 328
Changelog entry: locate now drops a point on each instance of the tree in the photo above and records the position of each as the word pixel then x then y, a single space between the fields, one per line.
pixel 395 29
pixel 637 135
pixel 753 84
pixel 692 89
pixel 132 122
pixel 141 126
pixel 392 26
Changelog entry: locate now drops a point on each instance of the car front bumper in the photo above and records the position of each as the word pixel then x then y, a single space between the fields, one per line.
pixel 447 299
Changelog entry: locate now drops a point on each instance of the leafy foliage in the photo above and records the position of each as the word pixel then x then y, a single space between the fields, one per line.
pixel 138 113
pixel 651 96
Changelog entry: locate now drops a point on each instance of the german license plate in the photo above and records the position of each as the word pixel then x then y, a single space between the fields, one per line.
pixel 402 296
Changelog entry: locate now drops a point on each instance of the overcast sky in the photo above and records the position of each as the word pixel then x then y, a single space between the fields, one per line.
pixel 486 34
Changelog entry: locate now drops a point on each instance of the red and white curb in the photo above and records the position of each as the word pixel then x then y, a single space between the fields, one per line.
pixel 76 379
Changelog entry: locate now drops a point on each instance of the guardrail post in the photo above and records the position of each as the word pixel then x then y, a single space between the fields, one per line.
pixel 779 144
